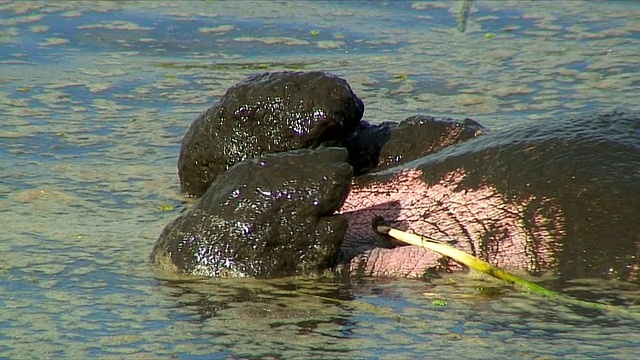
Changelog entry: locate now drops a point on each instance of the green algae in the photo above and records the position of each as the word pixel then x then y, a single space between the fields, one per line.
pixel 165 207
pixel 439 302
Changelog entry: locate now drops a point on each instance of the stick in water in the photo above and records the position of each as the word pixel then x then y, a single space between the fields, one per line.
pixel 484 267
pixel 463 258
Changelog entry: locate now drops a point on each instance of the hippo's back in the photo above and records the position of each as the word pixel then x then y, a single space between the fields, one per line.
pixel 559 195
pixel 584 169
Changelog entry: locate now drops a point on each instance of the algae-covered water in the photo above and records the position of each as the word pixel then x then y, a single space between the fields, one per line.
pixel 95 97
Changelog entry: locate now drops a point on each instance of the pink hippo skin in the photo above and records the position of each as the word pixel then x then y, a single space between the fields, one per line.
pixel 561 196
pixel 442 213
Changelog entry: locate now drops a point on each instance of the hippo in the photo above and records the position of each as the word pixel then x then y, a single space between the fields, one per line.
pixel 556 197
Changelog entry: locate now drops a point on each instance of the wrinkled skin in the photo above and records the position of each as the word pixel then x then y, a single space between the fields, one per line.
pixel 560 196
pixel 267 113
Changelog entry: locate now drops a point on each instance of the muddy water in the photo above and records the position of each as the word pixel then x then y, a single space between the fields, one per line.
pixel 94 99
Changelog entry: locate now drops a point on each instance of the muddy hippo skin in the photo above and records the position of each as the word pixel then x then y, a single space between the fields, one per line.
pixel 267 113
pixel 281 222
pixel 257 220
pixel 377 147
pixel 276 215
pixel 560 196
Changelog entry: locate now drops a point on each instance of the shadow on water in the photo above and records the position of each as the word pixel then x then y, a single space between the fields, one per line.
pixel 454 316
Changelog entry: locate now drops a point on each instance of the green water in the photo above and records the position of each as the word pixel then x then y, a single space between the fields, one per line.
pixel 95 97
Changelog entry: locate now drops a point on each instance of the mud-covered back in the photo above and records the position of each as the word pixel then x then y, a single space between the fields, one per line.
pixel 267 113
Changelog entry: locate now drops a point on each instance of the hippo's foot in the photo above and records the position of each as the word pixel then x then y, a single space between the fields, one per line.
pixel 267 113
pixel 260 220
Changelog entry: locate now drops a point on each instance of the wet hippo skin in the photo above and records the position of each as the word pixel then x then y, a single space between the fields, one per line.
pixel 267 113
pixel 560 196
pixel 266 217
pixel 376 147
pixel 551 196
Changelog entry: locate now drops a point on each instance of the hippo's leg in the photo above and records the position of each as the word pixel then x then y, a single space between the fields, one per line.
pixel 267 217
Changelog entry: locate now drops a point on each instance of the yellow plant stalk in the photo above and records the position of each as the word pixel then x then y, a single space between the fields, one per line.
pixel 464 258
pixel 484 267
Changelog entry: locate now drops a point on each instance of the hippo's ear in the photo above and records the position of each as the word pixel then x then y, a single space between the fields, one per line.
pixel 473 128
pixel 365 144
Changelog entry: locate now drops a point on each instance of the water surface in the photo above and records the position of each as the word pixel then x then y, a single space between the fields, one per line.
pixel 95 97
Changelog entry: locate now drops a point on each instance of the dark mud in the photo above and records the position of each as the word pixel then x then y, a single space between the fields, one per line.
pixel 267 113
pixel 267 217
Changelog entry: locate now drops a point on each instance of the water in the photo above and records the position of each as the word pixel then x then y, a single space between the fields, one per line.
pixel 95 97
